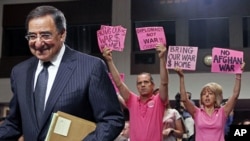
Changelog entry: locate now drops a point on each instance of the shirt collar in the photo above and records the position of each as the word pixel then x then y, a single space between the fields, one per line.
pixel 139 98
pixel 202 109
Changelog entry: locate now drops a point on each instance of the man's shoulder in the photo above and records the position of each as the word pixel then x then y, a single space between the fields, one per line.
pixel 89 56
pixel 77 53
pixel 28 62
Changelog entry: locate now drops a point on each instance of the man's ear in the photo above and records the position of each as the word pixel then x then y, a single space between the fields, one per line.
pixel 63 35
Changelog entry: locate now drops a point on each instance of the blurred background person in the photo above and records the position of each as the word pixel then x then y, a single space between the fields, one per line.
pixel 173 126
pixel 228 122
pixel 124 135
pixel 188 121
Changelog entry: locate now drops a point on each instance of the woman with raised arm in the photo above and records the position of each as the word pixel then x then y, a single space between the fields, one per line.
pixel 210 118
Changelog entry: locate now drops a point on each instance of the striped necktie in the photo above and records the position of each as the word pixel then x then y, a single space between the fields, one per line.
pixel 40 91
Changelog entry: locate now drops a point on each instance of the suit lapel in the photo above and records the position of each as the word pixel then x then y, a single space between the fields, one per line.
pixel 30 88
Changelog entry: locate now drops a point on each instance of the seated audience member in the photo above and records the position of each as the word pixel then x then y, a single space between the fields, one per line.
pixel 124 135
pixel 180 106
pixel 172 125
pixel 188 121
pixel 228 122
pixel 189 134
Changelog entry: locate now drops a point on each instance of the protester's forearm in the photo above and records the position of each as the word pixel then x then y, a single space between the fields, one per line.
pixel 237 86
pixel 183 89
pixel 164 79
pixel 124 91
pixel 114 73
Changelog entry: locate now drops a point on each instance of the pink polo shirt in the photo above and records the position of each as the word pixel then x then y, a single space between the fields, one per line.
pixel 145 118
pixel 209 128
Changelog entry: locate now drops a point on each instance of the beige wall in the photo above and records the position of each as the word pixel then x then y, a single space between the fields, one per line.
pixel 194 81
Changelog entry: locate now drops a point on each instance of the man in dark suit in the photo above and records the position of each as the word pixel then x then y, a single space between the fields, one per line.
pixel 78 84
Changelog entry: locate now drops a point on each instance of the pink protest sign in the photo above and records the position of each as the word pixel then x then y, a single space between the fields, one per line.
pixel 226 60
pixel 184 57
pixel 122 75
pixel 148 37
pixel 111 36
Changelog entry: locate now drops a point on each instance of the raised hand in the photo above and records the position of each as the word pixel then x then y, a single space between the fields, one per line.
pixel 243 66
pixel 179 71
pixel 107 53
pixel 161 49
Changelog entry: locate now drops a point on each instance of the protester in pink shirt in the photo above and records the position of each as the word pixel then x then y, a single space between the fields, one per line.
pixel 146 110
pixel 210 118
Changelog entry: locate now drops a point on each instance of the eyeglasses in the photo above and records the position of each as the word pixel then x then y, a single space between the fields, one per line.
pixel 42 36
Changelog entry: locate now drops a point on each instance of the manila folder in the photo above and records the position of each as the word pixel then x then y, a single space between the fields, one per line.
pixel 66 127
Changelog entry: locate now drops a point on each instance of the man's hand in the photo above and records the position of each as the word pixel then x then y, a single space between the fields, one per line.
pixel 161 49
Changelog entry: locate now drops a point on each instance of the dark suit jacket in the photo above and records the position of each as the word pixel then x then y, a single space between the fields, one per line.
pixel 82 88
